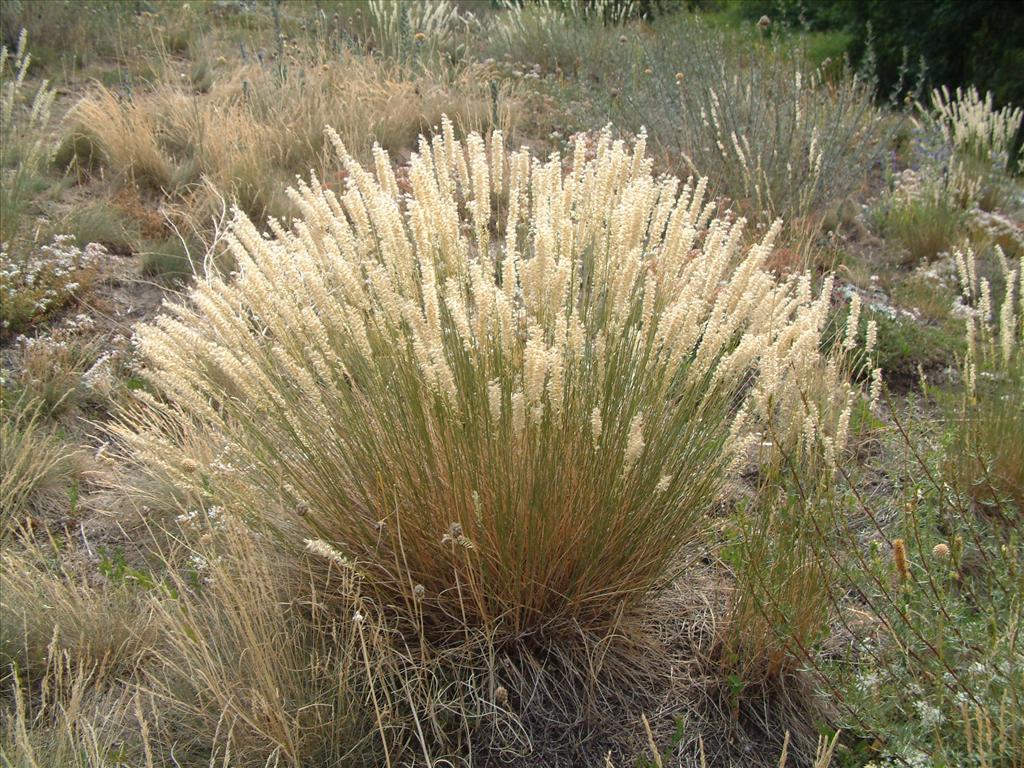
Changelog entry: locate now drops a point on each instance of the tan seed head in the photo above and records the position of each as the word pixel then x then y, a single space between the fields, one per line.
pixel 899 559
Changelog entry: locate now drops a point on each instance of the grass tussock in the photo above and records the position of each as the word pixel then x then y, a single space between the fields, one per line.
pixel 479 360
pixel 922 214
pixel 991 437
pixel 258 128
pixel 49 613
pixel 231 655
pixel 469 339
pixel 80 722
pixel 51 370
pixel 35 466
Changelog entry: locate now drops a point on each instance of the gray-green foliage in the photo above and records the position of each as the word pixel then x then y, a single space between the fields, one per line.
pixel 779 136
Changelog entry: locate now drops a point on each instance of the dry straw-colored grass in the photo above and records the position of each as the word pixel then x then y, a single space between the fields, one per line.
pixel 251 663
pixel 260 125
pixel 34 466
pixel 229 656
pixel 48 609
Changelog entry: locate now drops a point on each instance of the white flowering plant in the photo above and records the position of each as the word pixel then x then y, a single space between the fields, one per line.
pixel 508 390
pixel 47 278
pixel 971 124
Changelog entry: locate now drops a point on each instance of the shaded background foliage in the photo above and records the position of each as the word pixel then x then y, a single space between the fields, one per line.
pixel 930 42
pixel 960 41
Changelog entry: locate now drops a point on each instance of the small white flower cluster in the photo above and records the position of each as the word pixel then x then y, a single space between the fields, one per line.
pixel 187 518
pixel 930 715
pixel 54 343
pixel 47 278
pixel 868 681
pixel 998 226
pixel 911 759
pixel 212 517
pixel 100 376
pixel 80 323
pixel 935 184
pixel 908 184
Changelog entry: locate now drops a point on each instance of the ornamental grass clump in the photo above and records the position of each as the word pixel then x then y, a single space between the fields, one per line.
pixel 980 139
pixel 506 390
pixel 988 458
pixel 972 125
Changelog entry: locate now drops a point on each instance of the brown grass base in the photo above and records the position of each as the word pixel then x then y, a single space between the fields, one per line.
pixel 584 703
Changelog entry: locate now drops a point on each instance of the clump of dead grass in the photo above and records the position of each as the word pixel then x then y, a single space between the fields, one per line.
pixel 260 126
pixel 34 466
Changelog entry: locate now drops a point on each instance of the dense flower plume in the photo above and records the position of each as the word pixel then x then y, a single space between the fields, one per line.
pixel 971 123
pixel 561 364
